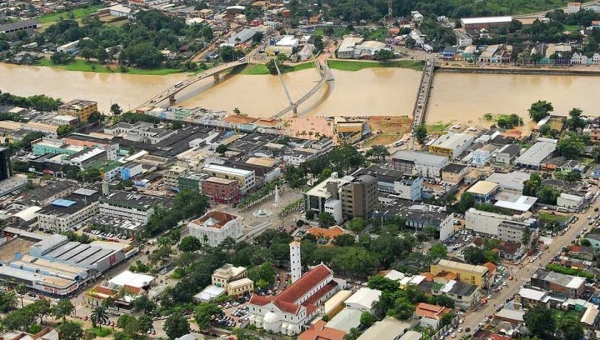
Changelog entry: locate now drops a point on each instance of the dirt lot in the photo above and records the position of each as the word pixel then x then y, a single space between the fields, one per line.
pixel 15 245
pixel 391 129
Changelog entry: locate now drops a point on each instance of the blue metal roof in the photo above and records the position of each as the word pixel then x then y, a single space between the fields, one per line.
pixel 63 203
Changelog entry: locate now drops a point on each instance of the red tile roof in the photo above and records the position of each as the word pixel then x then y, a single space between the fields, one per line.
pixel 431 311
pixel 287 301
pixel 318 331
pixel 307 282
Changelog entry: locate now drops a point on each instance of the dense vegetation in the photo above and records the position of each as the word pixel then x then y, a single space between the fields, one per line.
pixel 186 204
pixel 37 102
pixel 141 40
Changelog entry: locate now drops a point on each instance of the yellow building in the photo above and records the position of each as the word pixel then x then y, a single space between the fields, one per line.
pixel 466 273
pixel 451 144
pixel 79 108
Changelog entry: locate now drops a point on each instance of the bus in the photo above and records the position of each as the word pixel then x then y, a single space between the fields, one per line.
pixel 179 84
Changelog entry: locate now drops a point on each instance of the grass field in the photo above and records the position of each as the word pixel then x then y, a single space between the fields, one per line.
pixel 344 65
pixel 84 66
pixel 77 14
pixel 552 218
pixel 437 127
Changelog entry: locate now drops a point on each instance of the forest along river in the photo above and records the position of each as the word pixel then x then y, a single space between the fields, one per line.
pixel 466 97
pixel 375 91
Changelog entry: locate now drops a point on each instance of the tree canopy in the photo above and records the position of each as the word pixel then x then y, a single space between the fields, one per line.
pixel 540 109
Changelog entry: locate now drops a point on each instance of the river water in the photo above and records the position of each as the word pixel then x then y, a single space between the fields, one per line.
pixel 466 97
pixel 377 91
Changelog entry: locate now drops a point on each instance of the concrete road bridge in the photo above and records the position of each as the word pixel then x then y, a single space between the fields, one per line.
pixel 170 93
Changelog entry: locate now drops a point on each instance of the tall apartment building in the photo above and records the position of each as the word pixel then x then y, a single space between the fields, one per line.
pixel 359 197
pixel 79 108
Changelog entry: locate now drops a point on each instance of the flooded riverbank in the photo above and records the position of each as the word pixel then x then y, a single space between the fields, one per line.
pixel 462 97
pixel 127 90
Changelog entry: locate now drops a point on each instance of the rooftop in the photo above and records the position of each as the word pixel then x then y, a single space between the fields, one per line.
pixel 131 200
pixel 215 219
pixel 364 296
pixel 227 170
pixel 420 157
pixel 386 329
pixel 128 278
pixel 483 188
pixel 76 201
pixel 431 311
pixel 513 180
pixel 486 20
pixel 454 168
pixel 462 266
pixel 559 279
pixel 536 154
pixel 453 140
pixel 515 202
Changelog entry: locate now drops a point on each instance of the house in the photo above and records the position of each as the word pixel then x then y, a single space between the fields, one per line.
pixel 462 38
pixel 591 318
pixel 291 311
pixel 571 286
pixel 347 47
pixel 511 250
pixel 482 156
pixel 328 234
pixel 454 173
pixel 320 331
pixel 569 201
pixel 573 7
pixel 215 226
pixel 430 315
pixel 594 240
pixel 579 58
pixel 530 296
pixel 480 276
pixel 581 252
pixel 465 295
pixel 234 279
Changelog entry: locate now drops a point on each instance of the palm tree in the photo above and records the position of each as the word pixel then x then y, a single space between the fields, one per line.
pixel 99 315
pixel 310 134
pixel 317 135
pixel 21 289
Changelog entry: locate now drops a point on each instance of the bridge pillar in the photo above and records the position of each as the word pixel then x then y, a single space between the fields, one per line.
pixel 295 109
pixel 172 100
pixel 216 77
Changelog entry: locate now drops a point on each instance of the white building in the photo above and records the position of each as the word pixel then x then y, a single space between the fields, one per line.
pixel 409 187
pixel 120 11
pixel 130 206
pixel 535 155
pixel 363 299
pixel 569 201
pixel 288 41
pixel 66 213
pixel 291 311
pixel 215 226
pixel 485 222
pixel 334 208
pixel 295 261
pixel 512 182
pixel 451 144
pixel 419 163
pixel 346 49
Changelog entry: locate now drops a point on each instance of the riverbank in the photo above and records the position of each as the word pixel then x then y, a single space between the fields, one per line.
pixel 342 65
pixel 84 66
pixel 355 65
pixel 520 70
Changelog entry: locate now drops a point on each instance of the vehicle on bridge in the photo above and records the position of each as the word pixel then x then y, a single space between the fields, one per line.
pixel 179 84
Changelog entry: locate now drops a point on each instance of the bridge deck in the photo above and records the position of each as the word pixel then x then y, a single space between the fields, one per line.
pixel 172 91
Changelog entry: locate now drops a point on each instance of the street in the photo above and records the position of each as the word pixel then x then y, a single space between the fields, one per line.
pixel 522 275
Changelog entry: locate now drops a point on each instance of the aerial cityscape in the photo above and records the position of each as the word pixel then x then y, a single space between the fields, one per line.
pixel 313 170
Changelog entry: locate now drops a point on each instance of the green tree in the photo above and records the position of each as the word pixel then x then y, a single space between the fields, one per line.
pixel 344 240
pixel 205 312
pixel 474 255
pixel 540 322
pixel 21 290
pixel 64 130
pixel 357 224
pixel 63 308
pixel 379 152
pixel 221 149
pixel 310 215
pixel 446 319
pixel 526 238
pixel 467 201
pixel 421 133
pixel 366 320
pixel 99 316
pixel 190 244
pixel 402 309
pixel 444 300
pixel 383 55
pixel 438 251
pixel 547 194
pixel 95 117
pixel 569 328
pixel 176 326
pixel 264 273
pixel 145 323
pixel 545 129
pixel 115 109
pixel 70 331
pixel 8 301
pixel 92 175
pixel 539 110
pixel 326 220
pixel 383 284
pixel 86 53
pixel 575 121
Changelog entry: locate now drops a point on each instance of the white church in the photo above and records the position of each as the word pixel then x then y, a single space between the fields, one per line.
pixel 291 311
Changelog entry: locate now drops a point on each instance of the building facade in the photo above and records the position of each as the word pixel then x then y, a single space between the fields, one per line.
pixel 79 108
pixel 359 197
pixel 215 226
pixel 221 190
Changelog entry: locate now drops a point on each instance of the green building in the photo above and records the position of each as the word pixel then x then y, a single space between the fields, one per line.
pixel 191 181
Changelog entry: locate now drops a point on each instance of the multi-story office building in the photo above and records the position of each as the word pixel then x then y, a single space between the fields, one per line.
pixel 221 190
pixel 79 108
pixel 245 178
pixel 130 206
pixel 359 197
pixel 5 168
pixel 66 213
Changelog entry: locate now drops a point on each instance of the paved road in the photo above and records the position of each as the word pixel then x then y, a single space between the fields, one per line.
pixel 522 275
